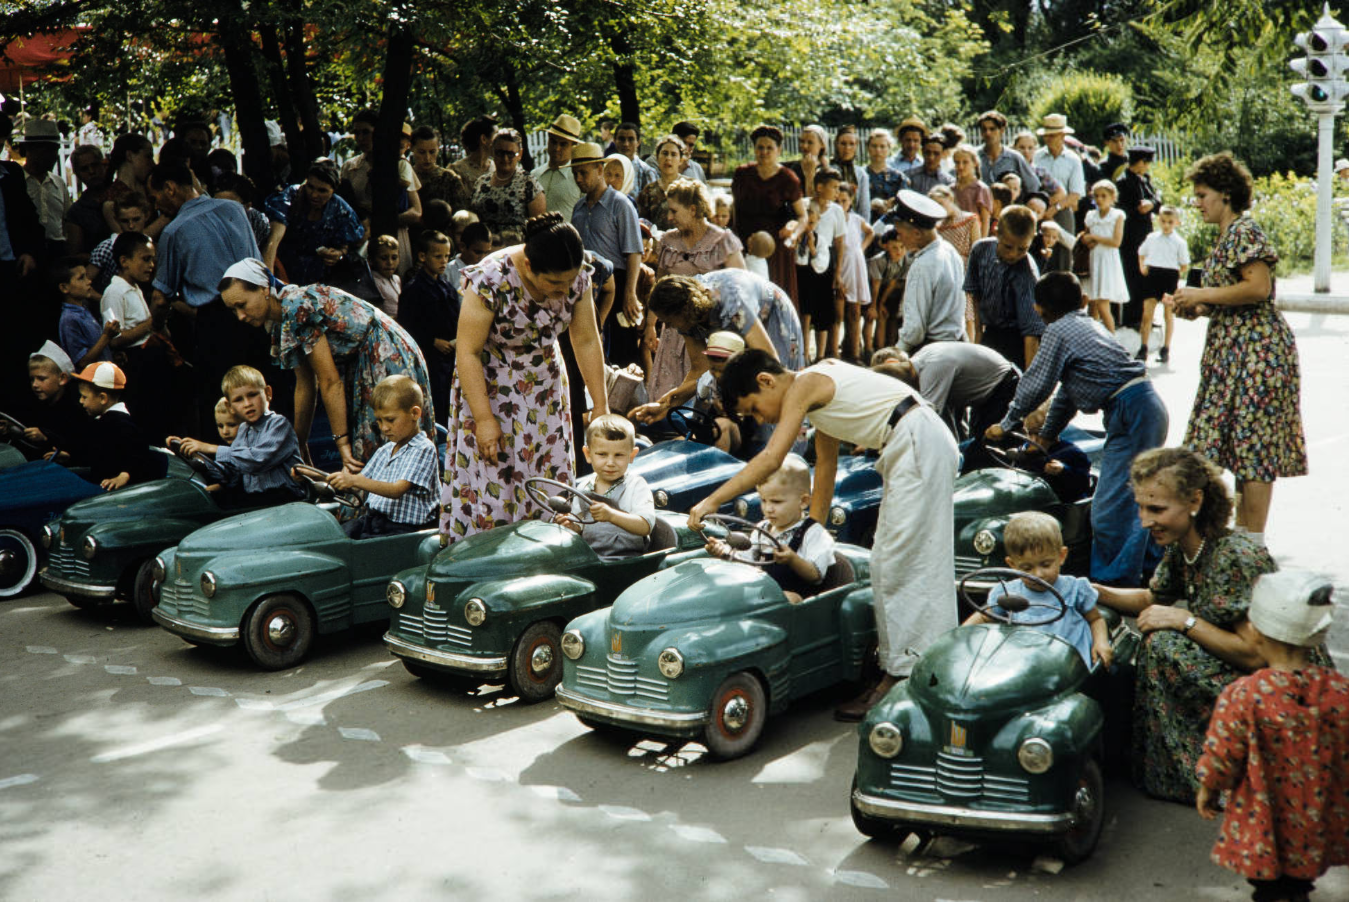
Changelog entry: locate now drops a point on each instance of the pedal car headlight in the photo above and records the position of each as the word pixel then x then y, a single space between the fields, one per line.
pixel 984 542
pixel 395 594
pixel 208 584
pixel 158 570
pixel 48 536
pixel 886 740
pixel 837 516
pixel 1035 755
pixel 475 612
pixel 671 663
pixel 741 508
pixel 661 497
pixel 573 644
pixel 89 548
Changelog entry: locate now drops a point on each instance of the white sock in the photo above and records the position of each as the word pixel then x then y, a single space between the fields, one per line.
pixel 1257 537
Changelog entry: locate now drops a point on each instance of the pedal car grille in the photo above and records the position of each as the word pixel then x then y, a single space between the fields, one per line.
pixel 65 562
pixel 620 677
pixel 966 564
pixel 956 777
pixel 435 629
pixel 176 597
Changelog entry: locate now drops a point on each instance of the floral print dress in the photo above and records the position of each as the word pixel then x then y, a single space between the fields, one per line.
pixel 527 389
pixel 366 346
pixel 1247 412
pixel 1280 742
pixel 742 296
pixel 506 206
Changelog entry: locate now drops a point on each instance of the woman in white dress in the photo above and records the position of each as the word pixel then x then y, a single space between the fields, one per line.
pixel 1104 233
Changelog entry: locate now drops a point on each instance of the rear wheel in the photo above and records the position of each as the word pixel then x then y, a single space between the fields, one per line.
pixel 535 667
pixel 18 562
pixel 739 712
pixel 278 631
pixel 143 591
pixel 1089 816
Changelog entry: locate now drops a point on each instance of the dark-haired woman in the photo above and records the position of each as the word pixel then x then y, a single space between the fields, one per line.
pixel 129 165
pixel 510 418
pixel 314 232
pixel 1247 414
pixel 767 197
pixel 508 195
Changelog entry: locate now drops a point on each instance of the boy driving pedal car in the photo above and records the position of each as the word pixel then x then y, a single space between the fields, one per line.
pixel 622 526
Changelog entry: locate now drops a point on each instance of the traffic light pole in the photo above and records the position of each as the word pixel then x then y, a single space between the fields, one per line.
pixel 1324 92
pixel 1325 185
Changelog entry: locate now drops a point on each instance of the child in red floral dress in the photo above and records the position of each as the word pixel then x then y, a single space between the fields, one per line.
pixel 1279 741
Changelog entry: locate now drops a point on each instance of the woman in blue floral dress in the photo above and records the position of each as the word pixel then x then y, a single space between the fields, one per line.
pixel 339 346
pixel 313 230
pixel 1247 412
pixel 510 418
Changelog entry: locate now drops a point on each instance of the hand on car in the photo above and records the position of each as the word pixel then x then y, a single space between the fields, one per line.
pixel 34 434
pixel 190 446
pixel 697 512
pixel 718 548
pixel 116 482
pixel 994 433
pixel 782 554
pixel 649 413
pixel 568 521
pixel 342 480
pixel 1102 653
pixel 601 512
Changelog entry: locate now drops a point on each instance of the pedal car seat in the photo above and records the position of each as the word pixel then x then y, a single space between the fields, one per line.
pixel 663 537
pixel 839 574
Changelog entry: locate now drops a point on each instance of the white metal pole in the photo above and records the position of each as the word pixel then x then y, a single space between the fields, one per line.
pixel 1325 139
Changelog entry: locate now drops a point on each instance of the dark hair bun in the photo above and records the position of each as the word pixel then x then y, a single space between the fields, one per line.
pixel 552 244
pixel 544 222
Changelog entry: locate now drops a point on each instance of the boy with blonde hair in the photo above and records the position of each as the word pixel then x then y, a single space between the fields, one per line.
pixel 623 521
pixel 1034 545
pixel 226 422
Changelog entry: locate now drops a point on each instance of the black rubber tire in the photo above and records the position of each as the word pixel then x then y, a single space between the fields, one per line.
pixel 1078 843
pixel 726 741
pixel 143 591
pixel 874 827
pixel 270 652
pixel 441 678
pixel 543 639
pixel 85 602
pixel 22 557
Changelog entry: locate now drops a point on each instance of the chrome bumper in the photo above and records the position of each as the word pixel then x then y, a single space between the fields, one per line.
pixel 218 634
pixel 70 586
pixel 962 818
pixel 468 663
pixel 628 714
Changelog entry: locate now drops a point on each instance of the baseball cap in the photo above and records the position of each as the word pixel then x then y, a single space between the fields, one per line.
pixel 724 345
pixel 107 376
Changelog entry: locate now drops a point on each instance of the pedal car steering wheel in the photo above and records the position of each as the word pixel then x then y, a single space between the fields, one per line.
pixel 1008 457
pixel 1011 602
pixel 737 536
pixel 200 463
pixel 560 503
pixel 15 432
pixel 695 425
pixel 317 480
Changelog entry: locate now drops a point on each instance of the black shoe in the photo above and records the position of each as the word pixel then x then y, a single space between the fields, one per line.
pixel 1142 353
pixel 1164 355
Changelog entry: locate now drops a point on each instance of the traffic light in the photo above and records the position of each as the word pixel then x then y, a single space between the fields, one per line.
pixel 1324 65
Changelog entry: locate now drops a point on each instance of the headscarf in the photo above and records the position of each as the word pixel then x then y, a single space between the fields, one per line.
pixel 819 133
pixel 252 271
pixel 627 171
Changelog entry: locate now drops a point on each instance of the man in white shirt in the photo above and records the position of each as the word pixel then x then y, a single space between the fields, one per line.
pixel 1065 166
pixel 934 302
pixel 41 147
pixel 559 188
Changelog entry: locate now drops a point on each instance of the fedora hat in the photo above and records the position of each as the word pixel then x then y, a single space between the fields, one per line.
pixel 585 152
pixel 40 131
pixel 566 127
pixel 913 122
pixel 1054 124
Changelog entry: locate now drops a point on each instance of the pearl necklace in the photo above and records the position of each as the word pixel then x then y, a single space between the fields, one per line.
pixel 1189 561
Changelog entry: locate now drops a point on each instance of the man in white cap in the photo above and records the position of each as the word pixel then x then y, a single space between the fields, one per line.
pixel 559 188
pixel 41 147
pixel 1065 166
pixel 934 302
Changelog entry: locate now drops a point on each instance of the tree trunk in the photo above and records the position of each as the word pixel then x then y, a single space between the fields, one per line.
pixel 625 81
pixel 516 108
pixel 276 74
pixel 385 186
pixel 233 38
pixel 302 86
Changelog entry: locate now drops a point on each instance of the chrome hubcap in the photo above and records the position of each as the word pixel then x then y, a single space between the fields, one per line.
pixel 280 630
pixel 9 564
pixel 542 658
pixel 735 714
pixel 1084 805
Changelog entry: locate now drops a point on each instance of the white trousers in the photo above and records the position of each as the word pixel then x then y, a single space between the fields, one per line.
pixel 913 556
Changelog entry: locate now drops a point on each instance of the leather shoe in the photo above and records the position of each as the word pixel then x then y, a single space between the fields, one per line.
pixel 855 710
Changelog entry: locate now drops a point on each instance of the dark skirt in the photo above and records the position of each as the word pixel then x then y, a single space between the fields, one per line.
pixel 815 291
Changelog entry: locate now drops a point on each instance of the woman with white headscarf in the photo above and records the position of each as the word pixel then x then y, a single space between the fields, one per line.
pixel 339 346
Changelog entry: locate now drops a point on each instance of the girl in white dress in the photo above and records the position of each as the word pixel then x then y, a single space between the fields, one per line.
pixel 853 272
pixel 1104 232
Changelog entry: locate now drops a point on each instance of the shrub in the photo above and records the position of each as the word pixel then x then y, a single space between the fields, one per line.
pixel 1090 100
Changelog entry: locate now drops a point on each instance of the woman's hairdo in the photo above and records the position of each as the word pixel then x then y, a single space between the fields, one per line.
pixel 677 141
pixel 680 295
pixel 474 130
pixel 771 132
pixel 1185 472
pixel 325 170
pixel 691 193
pixel 1225 174
pixel 552 244
pixel 507 134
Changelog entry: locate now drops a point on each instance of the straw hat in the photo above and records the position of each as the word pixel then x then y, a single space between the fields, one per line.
pixel 568 128
pixel 1054 124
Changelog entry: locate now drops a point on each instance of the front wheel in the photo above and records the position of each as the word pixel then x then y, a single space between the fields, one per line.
pixel 879 827
pixel 143 591
pixel 278 631
pixel 739 711
pixel 535 667
pixel 440 677
pixel 1089 816
pixel 18 562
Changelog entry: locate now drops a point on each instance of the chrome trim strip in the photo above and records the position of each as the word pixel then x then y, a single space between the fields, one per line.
pixel 90 590
pixel 195 630
pixel 953 816
pixel 630 714
pixel 470 663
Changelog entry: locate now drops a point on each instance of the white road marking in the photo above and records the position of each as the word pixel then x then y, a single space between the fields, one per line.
pixel 561 793
pixel 211 691
pixel 487 774
pixel 307 718
pixel 358 733
pixel 326 697
pixel 41 650
pixel 860 878
pixel 155 745
pixel 119 668
pixel 80 659
pixel 770 855
pixel 805 765
pixel 697 834
pixel 425 756
pixel 20 780
pixel 164 681
pixel 1328 441
pixel 623 813
pixel 255 704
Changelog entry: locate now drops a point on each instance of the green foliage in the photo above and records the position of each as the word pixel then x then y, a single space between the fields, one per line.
pixel 1090 100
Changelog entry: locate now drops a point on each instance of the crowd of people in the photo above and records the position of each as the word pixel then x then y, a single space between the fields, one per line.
pixel 984 281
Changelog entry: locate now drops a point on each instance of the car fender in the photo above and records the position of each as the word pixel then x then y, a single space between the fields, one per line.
pixel 429 548
pixel 857 625
pixel 1072 725
pixel 675 558
pixel 527 593
pixel 735 645
pixel 277 571
pixel 140 535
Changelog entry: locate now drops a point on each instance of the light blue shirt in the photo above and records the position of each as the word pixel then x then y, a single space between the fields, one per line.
pixel 206 237
pixel 1066 168
pixel 1072 626
pixel 262 453
pixel 643 174
pixel 609 228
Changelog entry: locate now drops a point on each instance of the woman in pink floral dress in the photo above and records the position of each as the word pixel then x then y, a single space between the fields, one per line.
pixel 510 419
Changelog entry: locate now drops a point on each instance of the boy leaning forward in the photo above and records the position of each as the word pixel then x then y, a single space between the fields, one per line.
pixel 913 556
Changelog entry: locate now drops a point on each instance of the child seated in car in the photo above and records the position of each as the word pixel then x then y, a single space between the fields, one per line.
pixel 57 421
pixel 116 449
pixel 402 478
pixel 1034 545
pixel 805 549
pixel 623 525
pixel 1063 464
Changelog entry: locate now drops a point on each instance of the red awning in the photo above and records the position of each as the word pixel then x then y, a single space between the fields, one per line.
pixel 34 57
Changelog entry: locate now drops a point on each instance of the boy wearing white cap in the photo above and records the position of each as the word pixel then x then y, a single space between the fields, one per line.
pixel 57 420
pixel 1279 743
pixel 118 452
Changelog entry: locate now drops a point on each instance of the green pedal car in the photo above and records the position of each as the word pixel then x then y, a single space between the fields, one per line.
pixel 708 649
pixel 273 579
pixel 492 606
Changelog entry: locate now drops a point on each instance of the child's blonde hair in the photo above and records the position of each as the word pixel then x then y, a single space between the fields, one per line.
pixel 721 200
pixel 1032 531
pixel 1107 186
pixel 397 391
pixel 239 376
pixel 1168 210
pixel 611 427
pixel 794 475
pixel 386 241
pixel 223 409
pixel 462 219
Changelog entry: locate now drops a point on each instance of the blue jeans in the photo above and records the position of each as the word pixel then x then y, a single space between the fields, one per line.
pixel 1121 549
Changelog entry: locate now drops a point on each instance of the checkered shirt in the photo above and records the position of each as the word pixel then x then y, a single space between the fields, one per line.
pixel 418 463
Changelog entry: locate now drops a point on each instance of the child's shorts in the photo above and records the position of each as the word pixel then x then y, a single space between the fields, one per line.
pixel 1160 281
pixel 815 292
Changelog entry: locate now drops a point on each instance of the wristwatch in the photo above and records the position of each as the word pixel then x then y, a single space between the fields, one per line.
pixel 1189 624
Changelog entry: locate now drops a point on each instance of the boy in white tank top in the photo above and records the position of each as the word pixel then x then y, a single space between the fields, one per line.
pixel 913 556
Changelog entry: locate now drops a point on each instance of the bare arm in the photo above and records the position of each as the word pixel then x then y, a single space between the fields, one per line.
pixel 1253 288
pixel 334 395
pixel 274 237
pixel 538 205
pixel 1126 601
pixel 734 260
pixel 585 342
pixel 413 214
pixel 826 466
pixel 475 321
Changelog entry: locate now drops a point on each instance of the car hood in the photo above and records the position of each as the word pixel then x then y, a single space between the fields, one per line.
pixel 158 498
pixel 996 492
pixel 675 460
pixel 265 530
pixel 992 667
pixel 520 549
pixel 695 590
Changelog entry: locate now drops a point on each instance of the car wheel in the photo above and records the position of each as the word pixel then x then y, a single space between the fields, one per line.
pixel 535 667
pixel 18 562
pixel 143 591
pixel 1089 812
pixel 278 631
pixel 608 731
pixel 874 827
pixel 440 677
pixel 84 602
pixel 739 711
